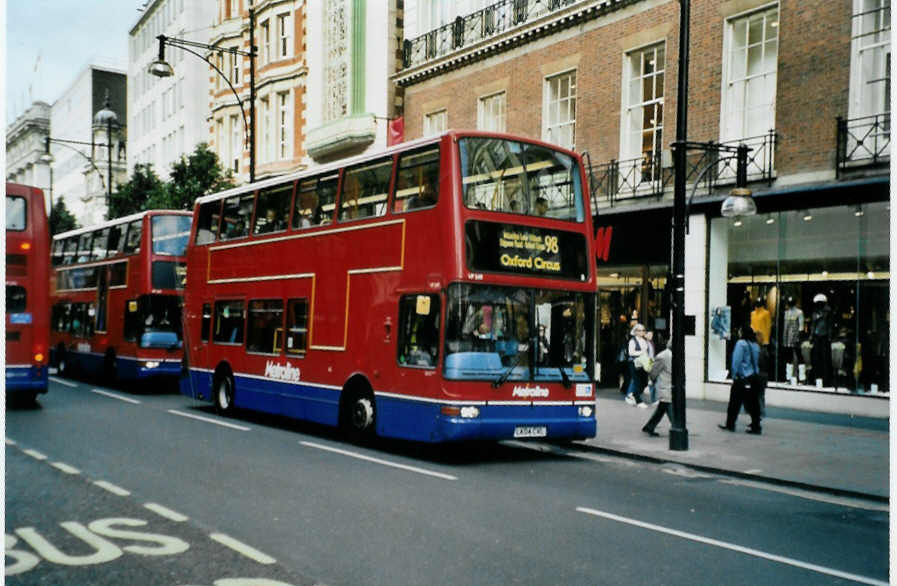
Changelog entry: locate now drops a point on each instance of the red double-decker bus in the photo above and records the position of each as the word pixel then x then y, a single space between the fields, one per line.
pixel 117 295
pixel 27 290
pixel 440 290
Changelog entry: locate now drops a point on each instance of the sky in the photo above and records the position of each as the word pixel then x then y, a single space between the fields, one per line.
pixel 50 42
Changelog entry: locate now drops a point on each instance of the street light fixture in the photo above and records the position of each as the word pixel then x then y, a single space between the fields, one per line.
pixel 161 68
pixel 49 159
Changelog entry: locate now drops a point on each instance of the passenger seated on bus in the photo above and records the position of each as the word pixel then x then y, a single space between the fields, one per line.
pixel 271 223
pixel 541 207
pixel 427 193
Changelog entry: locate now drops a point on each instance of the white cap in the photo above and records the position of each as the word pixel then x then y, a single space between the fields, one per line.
pixel 820 298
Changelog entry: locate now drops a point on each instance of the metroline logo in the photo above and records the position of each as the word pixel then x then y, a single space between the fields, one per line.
pixel 529 392
pixel 282 372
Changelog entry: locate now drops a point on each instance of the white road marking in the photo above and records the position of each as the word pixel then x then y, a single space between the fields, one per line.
pixel 10 442
pixel 843 501
pixel 166 512
pixel 753 471
pixel 734 547
pixel 114 489
pixel 208 420
pixel 62 382
pixel 65 468
pixel 379 461
pixel 35 454
pixel 242 548
pixel 114 396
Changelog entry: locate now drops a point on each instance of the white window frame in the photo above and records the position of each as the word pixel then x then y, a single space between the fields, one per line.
pixel 235 69
pixel 284 126
pixel 284 39
pixel 265 37
pixel 492 112
pixel 559 111
pixel 739 95
pixel 870 54
pixel 235 140
pixel 266 150
pixel 650 69
pixel 435 122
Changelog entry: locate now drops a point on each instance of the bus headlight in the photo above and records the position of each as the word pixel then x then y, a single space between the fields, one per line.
pixel 470 412
pixel 150 364
pixel 586 411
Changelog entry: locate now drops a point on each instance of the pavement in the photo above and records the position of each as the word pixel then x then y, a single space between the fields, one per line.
pixel 834 453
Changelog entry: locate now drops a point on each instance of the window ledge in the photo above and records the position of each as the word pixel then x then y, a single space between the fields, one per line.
pixel 341 135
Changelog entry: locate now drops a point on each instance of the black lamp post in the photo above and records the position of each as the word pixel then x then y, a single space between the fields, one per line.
pixel 48 158
pixel 161 68
pixel 739 203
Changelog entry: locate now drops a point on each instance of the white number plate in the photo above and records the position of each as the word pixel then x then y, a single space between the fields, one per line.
pixel 531 431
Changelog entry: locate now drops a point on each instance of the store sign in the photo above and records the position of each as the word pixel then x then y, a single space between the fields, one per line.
pixel 507 248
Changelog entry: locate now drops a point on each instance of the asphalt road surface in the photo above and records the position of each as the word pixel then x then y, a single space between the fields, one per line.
pixel 122 486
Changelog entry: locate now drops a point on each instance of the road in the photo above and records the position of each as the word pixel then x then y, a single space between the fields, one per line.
pixel 119 486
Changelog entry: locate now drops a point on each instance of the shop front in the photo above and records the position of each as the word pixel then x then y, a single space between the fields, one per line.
pixel 814 284
pixel 633 255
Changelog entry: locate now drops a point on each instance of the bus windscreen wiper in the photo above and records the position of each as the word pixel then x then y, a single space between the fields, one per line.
pixel 504 376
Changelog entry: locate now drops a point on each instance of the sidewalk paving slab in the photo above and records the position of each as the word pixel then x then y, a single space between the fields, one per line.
pixel 832 453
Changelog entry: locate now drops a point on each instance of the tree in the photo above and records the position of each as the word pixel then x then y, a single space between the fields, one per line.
pixel 61 219
pixel 193 176
pixel 134 196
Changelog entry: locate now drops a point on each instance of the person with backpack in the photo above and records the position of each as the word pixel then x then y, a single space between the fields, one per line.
pixel 745 367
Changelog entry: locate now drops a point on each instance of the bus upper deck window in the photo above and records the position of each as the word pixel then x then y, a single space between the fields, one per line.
pixel 272 212
pixel 365 188
pixel 417 182
pixel 236 215
pixel 207 222
pixel 132 240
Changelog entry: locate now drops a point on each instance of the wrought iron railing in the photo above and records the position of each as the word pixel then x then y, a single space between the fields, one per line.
pixel 464 31
pixel 863 141
pixel 647 177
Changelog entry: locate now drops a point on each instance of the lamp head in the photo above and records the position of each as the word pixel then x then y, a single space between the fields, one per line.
pixel 160 68
pixel 739 203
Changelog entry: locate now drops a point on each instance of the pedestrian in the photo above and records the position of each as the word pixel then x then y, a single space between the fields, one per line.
pixel 745 359
pixel 638 374
pixel 662 375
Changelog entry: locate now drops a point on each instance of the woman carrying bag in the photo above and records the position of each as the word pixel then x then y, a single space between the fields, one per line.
pixel 745 368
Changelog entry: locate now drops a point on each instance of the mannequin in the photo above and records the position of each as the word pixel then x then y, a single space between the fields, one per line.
pixel 791 329
pixel 821 325
pixel 761 322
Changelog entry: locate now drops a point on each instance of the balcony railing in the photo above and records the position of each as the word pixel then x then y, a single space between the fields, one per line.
pixel 491 21
pixel 863 142
pixel 646 177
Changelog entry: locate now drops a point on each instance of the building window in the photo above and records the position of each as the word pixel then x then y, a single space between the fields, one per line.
pixel 871 59
pixel 491 112
pixel 283 35
pixel 643 88
pixel 266 130
pixel 283 125
pixel 235 69
pixel 435 123
pixel 559 109
pixel 235 143
pixel 265 36
pixel 750 71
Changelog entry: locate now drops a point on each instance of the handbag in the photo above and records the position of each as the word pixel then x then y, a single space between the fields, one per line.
pixel 644 362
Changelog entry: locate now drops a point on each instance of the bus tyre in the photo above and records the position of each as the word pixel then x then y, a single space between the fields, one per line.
pixel 224 393
pixel 359 415
pixel 110 368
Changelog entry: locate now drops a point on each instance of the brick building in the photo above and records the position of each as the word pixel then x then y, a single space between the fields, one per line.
pixel 277 28
pixel 804 84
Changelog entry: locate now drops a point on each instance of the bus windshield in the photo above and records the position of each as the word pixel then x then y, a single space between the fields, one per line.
pixel 508 333
pixel 154 321
pixel 170 234
pixel 514 177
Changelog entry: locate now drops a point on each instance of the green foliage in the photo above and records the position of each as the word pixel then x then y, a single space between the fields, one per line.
pixel 61 219
pixel 134 195
pixel 192 176
pixel 196 175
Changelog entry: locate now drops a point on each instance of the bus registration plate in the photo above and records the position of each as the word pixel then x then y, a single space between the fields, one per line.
pixel 530 431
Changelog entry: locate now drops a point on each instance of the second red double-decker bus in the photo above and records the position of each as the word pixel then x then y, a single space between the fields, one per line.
pixel 438 291
pixel 116 304
pixel 27 290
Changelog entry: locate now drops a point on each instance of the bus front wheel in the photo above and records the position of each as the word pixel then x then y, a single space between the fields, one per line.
pixel 224 393
pixel 359 414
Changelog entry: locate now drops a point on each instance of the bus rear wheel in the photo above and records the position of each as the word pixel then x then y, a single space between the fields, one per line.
pixel 224 393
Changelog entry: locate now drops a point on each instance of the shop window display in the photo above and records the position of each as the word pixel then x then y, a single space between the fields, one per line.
pixel 814 285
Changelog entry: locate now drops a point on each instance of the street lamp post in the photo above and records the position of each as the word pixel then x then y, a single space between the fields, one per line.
pixel 48 158
pixel 161 68
pixel 739 203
